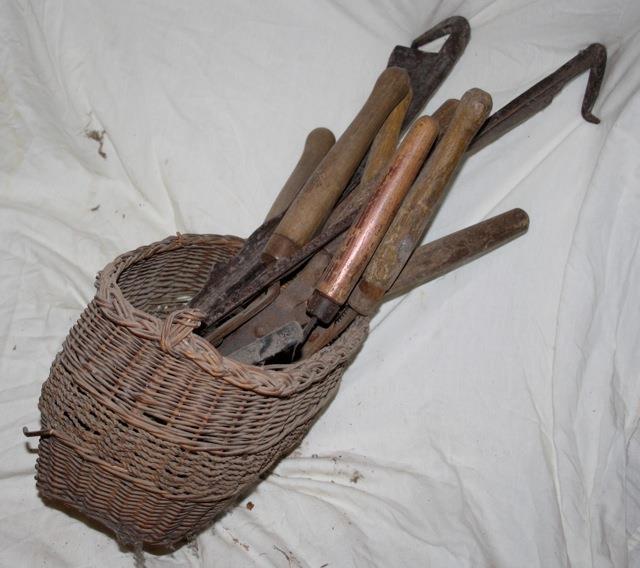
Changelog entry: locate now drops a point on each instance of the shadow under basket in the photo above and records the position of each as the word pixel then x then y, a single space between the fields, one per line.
pixel 147 428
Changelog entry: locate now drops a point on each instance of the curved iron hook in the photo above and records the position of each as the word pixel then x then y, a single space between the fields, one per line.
pixel 428 70
pixel 538 97
pixel 458 30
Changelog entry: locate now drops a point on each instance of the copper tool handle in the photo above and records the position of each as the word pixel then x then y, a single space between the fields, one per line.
pixel 432 261
pixel 318 143
pixel 381 153
pixel 313 204
pixel 291 303
pixel 368 230
pixel 422 203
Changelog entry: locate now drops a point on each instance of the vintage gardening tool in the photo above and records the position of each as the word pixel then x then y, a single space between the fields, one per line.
pixel 373 221
pixel 514 113
pixel 427 263
pixel 368 230
pixel 318 143
pixel 421 204
pixel 312 206
pixel 381 151
pixel 426 72
pixel 432 261
pixel 416 211
pixel 314 202
pixel 538 97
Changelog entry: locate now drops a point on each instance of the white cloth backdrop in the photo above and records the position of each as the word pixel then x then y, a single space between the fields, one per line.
pixel 490 418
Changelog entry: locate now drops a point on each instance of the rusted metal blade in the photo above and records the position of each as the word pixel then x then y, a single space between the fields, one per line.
pixel 227 273
pixel 260 275
pixel 278 341
pixel 538 97
pixel 215 336
pixel 427 70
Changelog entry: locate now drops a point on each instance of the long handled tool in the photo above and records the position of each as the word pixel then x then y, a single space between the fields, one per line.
pixel 513 114
pixel 426 71
pixel 368 230
pixel 533 100
pixel 313 205
pixel 428 262
pixel 372 222
pixel 316 146
pixel 409 223
pixel 432 261
pixel 315 200
pixel 297 291
pixel 421 204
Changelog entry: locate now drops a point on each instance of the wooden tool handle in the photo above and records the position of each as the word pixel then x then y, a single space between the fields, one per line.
pixel 367 231
pixel 431 261
pixel 441 256
pixel 318 143
pixel 291 302
pixel 385 143
pixel 422 203
pixel 444 115
pixel 316 199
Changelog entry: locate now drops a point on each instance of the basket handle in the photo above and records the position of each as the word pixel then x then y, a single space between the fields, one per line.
pixel 177 326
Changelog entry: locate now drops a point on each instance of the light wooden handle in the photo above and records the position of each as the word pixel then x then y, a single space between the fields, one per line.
pixel 422 203
pixel 312 206
pixel 318 143
pixel 385 143
pixel 369 229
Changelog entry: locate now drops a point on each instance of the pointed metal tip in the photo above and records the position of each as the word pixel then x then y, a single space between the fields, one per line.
pixel 456 26
pixel 590 118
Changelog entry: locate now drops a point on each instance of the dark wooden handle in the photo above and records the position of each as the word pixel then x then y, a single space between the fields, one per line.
pixel 422 202
pixel 368 230
pixel 318 143
pixel 444 115
pixel 312 206
pixel 433 260
pixel 441 256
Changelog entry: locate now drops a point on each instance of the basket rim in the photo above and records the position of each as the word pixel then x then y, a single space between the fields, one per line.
pixel 174 334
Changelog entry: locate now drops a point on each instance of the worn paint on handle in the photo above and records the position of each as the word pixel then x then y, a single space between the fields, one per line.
pixel 422 202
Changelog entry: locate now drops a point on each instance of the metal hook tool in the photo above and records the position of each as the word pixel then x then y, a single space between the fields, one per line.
pixel 538 97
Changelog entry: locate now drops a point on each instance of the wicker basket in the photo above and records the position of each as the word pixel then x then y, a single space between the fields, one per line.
pixel 150 431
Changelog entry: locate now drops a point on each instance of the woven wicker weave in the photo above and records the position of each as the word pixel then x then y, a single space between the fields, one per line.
pixel 151 431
